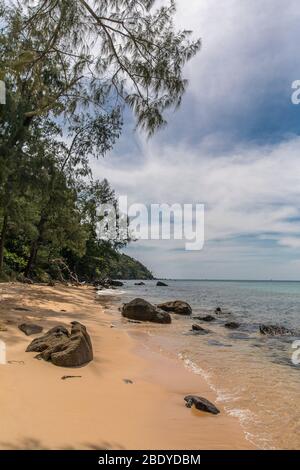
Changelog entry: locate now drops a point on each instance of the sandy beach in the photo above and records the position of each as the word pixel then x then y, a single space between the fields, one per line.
pixel 97 410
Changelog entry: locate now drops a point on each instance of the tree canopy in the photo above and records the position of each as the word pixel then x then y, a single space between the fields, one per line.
pixel 71 67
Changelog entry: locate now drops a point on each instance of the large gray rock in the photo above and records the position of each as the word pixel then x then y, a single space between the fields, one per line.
pixel 63 348
pixel 274 330
pixel 30 328
pixel 176 306
pixel 140 309
pixel 201 404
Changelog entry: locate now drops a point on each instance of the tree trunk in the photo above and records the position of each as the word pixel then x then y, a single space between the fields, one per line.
pixel 2 241
pixel 35 246
pixel 32 258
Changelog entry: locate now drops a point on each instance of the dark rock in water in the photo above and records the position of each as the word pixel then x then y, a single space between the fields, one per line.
pixel 214 342
pixel 201 404
pixel 207 318
pixel 176 306
pixel 116 283
pixel 30 328
pixel 199 329
pixel 107 284
pixel 219 311
pixel 140 309
pixel 161 284
pixel 139 284
pixel 274 330
pixel 232 325
pixel 63 348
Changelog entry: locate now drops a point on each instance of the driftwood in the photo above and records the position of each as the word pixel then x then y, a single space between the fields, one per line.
pixel 63 267
pixel 64 377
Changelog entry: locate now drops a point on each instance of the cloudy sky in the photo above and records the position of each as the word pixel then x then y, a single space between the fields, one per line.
pixel 234 145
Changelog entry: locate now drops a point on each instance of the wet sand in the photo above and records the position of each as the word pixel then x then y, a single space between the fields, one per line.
pixel 98 410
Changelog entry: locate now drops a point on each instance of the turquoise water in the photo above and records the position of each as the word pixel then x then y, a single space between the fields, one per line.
pixel 252 375
pixel 250 301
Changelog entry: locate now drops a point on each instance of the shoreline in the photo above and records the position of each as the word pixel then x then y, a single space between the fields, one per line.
pixel 98 410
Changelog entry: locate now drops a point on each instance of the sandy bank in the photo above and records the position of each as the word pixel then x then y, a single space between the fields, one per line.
pixel 99 410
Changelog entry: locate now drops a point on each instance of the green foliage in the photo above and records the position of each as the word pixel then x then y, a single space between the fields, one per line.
pixel 125 267
pixel 14 262
pixel 70 69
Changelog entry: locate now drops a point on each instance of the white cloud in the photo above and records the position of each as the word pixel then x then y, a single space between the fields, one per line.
pixel 252 191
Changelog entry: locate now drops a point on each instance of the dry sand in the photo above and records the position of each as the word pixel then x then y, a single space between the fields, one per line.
pixel 39 410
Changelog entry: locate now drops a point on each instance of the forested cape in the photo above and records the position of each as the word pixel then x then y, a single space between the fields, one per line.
pixel 70 69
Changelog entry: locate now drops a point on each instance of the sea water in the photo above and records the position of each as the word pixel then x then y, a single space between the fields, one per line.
pixel 252 375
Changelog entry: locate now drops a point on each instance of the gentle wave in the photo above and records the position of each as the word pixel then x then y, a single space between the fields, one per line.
pixel 110 292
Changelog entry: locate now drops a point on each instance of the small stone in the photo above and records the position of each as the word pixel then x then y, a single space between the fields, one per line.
pixel 232 325
pixel 127 381
pixel 30 328
pixel 207 318
pixel 199 329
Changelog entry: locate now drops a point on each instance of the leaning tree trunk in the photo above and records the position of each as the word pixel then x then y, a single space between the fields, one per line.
pixel 2 241
pixel 35 246
pixel 32 258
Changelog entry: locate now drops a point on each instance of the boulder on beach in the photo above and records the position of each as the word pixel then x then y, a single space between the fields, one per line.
pixel 139 284
pixel 207 318
pixel 176 306
pixel 275 330
pixel 232 325
pixel 140 309
pixel 199 330
pixel 161 284
pixel 30 328
pixel 63 348
pixel 201 404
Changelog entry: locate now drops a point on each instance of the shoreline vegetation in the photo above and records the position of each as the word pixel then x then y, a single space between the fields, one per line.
pixel 127 397
pixel 65 106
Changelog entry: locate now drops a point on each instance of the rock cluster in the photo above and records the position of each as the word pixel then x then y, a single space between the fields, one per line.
pixel 64 348
pixel 176 306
